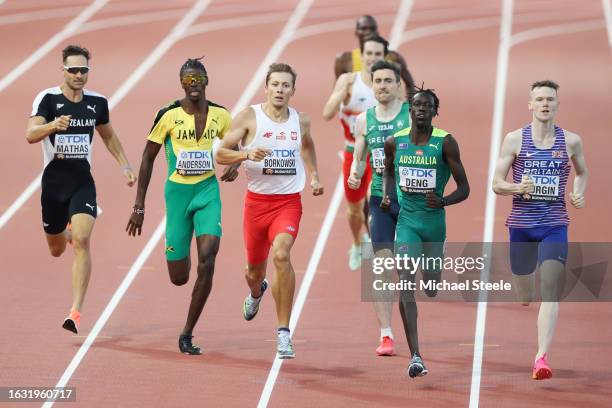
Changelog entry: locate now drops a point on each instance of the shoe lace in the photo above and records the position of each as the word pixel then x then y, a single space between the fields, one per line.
pixel 284 342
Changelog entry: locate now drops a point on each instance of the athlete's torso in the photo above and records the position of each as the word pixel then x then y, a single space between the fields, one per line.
pixel 549 169
pixel 72 146
pixel 283 171
pixel 189 160
pixel 376 133
pixel 420 169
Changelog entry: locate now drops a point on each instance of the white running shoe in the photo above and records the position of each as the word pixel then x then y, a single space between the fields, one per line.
pixel 355 257
pixel 250 307
pixel 284 347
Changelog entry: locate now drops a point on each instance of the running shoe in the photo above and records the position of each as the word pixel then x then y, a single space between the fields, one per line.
pixel 416 368
pixel 186 346
pixel 541 371
pixel 71 323
pixel 250 307
pixel 386 347
pixel 284 347
pixel 355 257
pixel 366 247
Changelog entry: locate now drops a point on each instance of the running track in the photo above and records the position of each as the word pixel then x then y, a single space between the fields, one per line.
pixel 453 47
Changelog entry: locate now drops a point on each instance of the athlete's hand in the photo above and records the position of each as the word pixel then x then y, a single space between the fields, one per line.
pixel 526 186
pixel 317 188
pixel 130 176
pixel 433 200
pixel 385 203
pixel 230 173
pixel 61 123
pixel 577 200
pixel 258 153
pixel 354 181
pixel 135 224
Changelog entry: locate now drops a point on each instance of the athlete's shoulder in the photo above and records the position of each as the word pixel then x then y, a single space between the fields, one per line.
pixel 572 139
pixel 89 94
pixel 165 109
pixel 49 91
pixel 437 132
pixel 402 132
pixel 212 104
pixel 515 135
pixel 219 110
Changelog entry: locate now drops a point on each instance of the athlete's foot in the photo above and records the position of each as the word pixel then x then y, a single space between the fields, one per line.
pixel 284 346
pixel 366 246
pixel 354 257
pixel 186 346
pixel 416 368
pixel 72 322
pixel 386 347
pixel 250 307
pixel 541 371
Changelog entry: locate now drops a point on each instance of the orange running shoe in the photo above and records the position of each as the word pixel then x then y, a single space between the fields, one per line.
pixel 541 371
pixel 71 323
pixel 386 347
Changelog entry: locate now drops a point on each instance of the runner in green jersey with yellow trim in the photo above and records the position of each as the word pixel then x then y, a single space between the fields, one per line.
pixel 422 158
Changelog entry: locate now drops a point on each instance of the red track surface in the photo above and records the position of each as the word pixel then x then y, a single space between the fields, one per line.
pixel 134 361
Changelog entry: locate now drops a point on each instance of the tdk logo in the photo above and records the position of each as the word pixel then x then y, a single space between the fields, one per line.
pixel 73 139
pixel 284 153
pixel 196 155
pixel 420 172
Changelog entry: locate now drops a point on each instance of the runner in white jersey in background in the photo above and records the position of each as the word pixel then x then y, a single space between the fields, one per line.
pixel 276 144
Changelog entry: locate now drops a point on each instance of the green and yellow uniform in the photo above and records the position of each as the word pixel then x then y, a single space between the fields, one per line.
pixel 419 170
pixel 191 190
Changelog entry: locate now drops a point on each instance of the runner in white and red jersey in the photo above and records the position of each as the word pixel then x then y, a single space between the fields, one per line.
pixel 275 145
pixel 351 96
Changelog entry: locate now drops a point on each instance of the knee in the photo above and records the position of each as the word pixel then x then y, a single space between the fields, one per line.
pixel 206 262
pixel 80 243
pixel 280 256
pixel 355 210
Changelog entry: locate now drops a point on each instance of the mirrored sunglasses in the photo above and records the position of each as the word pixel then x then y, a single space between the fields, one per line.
pixel 188 79
pixel 76 70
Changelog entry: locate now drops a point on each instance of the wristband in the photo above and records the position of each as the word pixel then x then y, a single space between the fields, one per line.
pixel 127 167
pixel 138 210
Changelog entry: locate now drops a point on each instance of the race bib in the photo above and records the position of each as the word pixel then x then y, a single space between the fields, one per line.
pixel 546 188
pixel 71 146
pixel 281 162
pixel 417 180
pixel 378 158
pixel 194 162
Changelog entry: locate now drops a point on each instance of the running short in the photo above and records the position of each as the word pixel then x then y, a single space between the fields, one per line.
pixel 266 216
pixel 529 247
pixel 64 194
pixel 353 196
pixel 421 234
pixel 382 224
pixel 190 207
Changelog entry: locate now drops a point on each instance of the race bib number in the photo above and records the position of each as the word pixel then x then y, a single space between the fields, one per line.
pixel 71 146
pixel 281 162
pixel 546 188
pixel 417 180
pixel 378 158
pixel 194 162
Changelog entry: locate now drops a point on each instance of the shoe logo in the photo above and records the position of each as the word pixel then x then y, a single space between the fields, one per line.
pixel 92 108
pixel 59 106
pixel 90 206
pixel 529 154
pixel 169 249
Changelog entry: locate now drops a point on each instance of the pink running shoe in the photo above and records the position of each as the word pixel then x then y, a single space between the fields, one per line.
pixel 386 347
pixel 541 371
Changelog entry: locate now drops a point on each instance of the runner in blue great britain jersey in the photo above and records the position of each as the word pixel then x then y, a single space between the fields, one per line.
pixel 422 158
pixel 540 156
pixel 372 128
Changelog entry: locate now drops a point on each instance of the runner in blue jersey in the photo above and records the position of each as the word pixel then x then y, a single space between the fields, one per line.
pixel 540 155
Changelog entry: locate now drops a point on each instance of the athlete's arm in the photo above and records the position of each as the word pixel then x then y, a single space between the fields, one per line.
pixel 309 155
pixel 407 79
pixel 450 154
pixel 144 177
pixel 243 126
pixel 574 149
pixel 388 173
pixel 359 154
pixel 343 63
pixel 110 139
pixel 38 128
pixel 340 92
pixel 509 150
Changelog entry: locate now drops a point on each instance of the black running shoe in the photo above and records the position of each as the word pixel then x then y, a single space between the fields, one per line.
pixel 186 346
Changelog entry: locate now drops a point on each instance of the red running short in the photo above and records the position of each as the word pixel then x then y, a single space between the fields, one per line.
pixel 352 196
pixel 266 216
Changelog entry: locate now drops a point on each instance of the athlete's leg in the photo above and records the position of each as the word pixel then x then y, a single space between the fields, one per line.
pixel 55 217
pixel 57 242
pixel 356 219
pixel 523 263
pixel 179 231
pixel 82 227
pixel 283 285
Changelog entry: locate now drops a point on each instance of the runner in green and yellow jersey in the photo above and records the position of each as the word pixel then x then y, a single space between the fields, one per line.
pixel 422 158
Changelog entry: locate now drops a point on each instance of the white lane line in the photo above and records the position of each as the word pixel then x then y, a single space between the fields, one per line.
pixel 197 9
pixel 51 43
pixel 313 263
pixel 568 28
pixel 607 10
pixel 503 55
pixel 103 24
pixel 21 200
pixel 401 19
pixel 236 22
pixel 17 18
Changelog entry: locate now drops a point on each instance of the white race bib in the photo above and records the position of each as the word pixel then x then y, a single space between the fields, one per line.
pixel 378 158
pixel 417 180
pixel 193 162
pixel 546 188
pixel 71 146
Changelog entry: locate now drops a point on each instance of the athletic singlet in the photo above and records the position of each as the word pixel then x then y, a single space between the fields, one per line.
pixel 420 169
pixel 356 58
pixel 549 169
pixel 282 172
pixel 189 160
pixel 72 146
pixel 362 98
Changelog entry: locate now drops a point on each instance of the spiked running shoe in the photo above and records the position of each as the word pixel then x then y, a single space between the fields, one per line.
pixel 386 347
pixel 250 307
pixel 186 346
pixel 541 371
pixel 416 368
pixel 71 323
pixel 284 347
